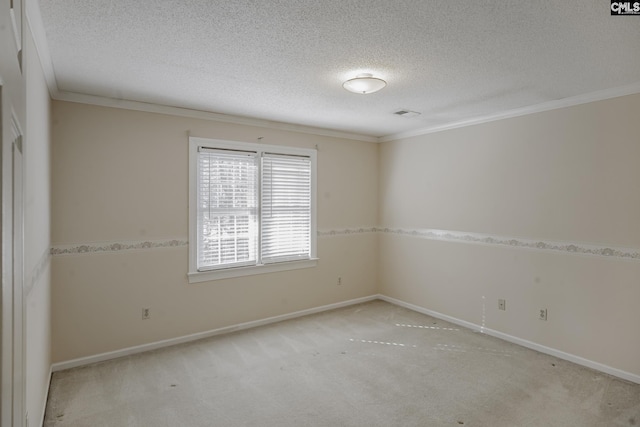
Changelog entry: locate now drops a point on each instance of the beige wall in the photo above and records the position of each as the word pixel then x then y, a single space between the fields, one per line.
pixel 569 175
pixel 121 176
pixel 37 234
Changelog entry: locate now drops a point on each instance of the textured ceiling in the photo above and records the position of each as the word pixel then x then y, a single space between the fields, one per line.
pixel 285 60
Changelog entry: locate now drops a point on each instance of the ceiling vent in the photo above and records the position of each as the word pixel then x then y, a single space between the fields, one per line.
pixel 407 113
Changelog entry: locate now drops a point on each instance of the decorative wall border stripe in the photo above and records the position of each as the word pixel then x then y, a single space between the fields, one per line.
pixel 347 231
pixel 565 247
pixel 85 248
pixel 429 234
pixel 37 272
pixel 103 247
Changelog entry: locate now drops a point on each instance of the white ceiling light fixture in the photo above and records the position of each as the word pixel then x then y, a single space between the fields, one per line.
pixel 364 83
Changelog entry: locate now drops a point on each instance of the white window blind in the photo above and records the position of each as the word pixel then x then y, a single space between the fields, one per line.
pixel 286 208
pixel 252 208
pixel 227 208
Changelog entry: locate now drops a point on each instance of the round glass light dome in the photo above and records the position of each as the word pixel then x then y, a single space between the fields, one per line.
pixel 364 83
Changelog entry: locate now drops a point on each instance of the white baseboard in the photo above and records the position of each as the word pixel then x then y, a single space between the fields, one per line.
pixel 529 344
pixel 46 399
pixel 60 366
pixel 74 363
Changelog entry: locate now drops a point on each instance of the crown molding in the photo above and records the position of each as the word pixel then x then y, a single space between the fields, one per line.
pixel 38 33
pixel 600 95
pixel 36 28
pixel 205 115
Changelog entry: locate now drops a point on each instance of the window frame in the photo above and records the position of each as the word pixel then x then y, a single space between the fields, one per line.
pixel 196 276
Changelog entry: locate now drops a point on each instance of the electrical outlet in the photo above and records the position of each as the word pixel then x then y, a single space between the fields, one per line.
pixel 339 281
pixel 146 313
pixel 502 304
pixel 543 314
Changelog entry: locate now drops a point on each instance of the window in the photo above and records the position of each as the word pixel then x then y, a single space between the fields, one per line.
pixel 251 209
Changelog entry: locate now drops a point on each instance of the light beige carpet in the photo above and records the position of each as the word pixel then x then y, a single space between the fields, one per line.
pixel 373 364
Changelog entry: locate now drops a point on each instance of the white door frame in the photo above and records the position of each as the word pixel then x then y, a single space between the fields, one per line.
pixel 19 310
pixel 12 374
pixel 12 301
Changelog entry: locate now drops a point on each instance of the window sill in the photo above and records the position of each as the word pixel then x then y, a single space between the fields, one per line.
pixel 228 273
